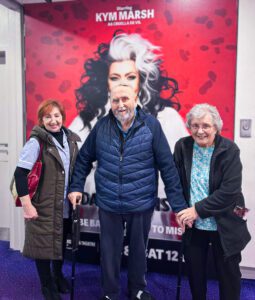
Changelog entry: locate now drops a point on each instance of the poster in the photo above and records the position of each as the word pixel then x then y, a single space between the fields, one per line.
pixel 197 41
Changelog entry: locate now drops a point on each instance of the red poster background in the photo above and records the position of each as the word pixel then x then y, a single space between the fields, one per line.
pixel 198 40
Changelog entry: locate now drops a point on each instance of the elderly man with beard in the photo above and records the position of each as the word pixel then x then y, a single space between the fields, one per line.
pixel 130 148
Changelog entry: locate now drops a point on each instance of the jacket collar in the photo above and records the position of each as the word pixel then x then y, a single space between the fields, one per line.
pixel 47 137
pixel 220 144
pixel 71 136
pixel 187 150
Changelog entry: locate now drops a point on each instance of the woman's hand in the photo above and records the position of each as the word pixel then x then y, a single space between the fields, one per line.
pixel 187 216
pixel 181 223
pixel 28 209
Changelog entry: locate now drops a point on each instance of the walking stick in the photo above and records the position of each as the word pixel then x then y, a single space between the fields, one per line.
pixel 179 276
pixel 75 242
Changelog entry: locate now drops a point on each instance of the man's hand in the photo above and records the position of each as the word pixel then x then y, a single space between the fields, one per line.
pixel 187 216
pixel 28 209
pixel 180 223
pixel 75 198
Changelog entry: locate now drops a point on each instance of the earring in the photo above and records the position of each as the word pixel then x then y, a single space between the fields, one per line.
pixel 109 96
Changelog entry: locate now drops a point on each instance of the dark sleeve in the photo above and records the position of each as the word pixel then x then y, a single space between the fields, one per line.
pixel 177 155
pixel 20 176
pixel 84 161
pixel 165 164
pixel 227 194
pixel 179 163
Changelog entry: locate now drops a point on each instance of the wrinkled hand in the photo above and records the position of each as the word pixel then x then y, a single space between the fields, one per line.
pixel 75 198
pixel 28 209
pixel 187 216
pixel 180 223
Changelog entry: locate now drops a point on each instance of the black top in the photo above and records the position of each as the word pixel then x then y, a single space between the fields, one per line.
pixel 58 136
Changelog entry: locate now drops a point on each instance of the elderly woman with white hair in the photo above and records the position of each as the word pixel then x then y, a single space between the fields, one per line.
pixel 211 174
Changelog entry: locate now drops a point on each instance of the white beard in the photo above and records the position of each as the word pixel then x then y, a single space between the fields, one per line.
pixel 124 118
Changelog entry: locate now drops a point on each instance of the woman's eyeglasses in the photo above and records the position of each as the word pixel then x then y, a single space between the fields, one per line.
pixel 204 127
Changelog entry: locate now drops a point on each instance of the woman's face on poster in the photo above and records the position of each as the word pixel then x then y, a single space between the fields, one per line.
pixel 124 73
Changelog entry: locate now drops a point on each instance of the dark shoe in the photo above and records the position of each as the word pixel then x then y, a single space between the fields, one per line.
pixel 50 292
pixel 62 284
pixel 143 295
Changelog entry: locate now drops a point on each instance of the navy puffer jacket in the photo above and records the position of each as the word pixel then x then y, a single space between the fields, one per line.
pixel 127 169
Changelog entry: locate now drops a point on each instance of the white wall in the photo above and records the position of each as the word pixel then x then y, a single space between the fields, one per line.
pixel 4 133
pixel 245 109
pixel 11 134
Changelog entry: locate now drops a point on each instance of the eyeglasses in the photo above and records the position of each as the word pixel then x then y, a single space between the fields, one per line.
pixel 204 127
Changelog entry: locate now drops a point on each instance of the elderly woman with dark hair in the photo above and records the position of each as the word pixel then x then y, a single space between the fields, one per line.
pixel 47 213
pixel 97 82
pixel 211 173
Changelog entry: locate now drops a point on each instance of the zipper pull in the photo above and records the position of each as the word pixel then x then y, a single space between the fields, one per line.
pixel 121 157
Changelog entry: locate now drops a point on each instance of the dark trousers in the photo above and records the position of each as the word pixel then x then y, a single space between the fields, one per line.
pixel 44 265
pixel 228 271
pixel 112 227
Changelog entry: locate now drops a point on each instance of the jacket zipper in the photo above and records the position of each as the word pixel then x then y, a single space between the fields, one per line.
pixel 122 142
pixel 72 158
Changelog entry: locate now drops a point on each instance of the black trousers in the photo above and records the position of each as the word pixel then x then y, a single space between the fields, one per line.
pixel 228 271
pixel 44 265
pixel 112 228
